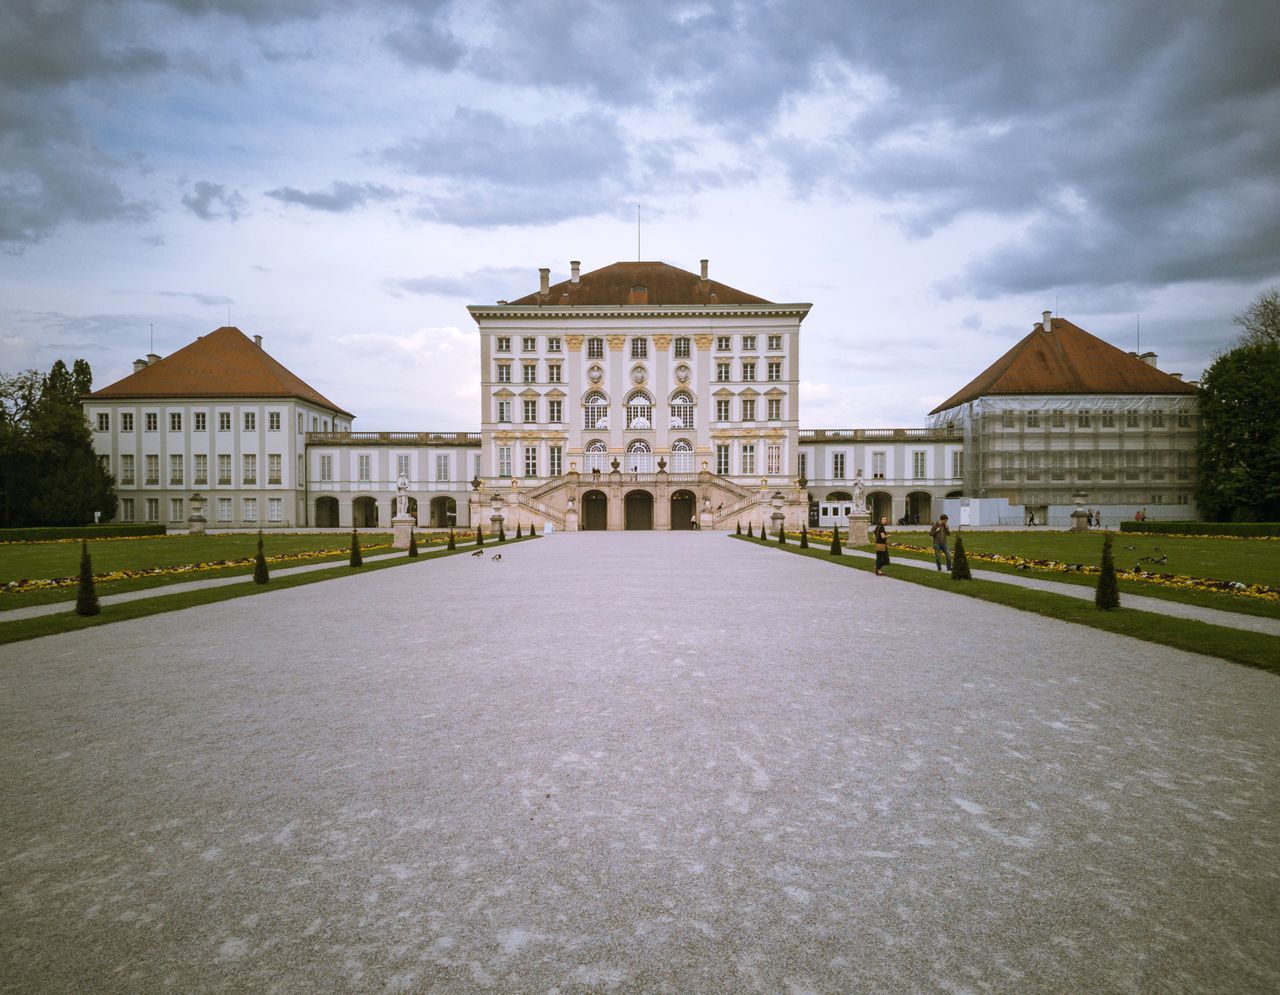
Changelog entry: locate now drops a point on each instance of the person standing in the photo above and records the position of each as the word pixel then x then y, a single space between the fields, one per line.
pixel 940 531
pixel 881 539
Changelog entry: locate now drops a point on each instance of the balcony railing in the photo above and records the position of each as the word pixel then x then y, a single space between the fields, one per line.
pixel 879 434
pixel 394 438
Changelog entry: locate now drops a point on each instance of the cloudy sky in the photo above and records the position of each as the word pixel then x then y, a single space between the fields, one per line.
pixel 344 176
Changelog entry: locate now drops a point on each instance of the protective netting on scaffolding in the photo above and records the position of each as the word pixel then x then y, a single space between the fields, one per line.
pixel 1046 405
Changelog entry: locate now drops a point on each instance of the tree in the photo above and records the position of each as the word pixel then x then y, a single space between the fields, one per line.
pixel 738 530
pixel 960 561
pixel 87 595
pixel 836 549
pixel 356 559
pixel 1238 477
pixel 1107 596
pixel 518 530
pixel 502 531
pixel 804 535
pixel 413 545
pixel 782 534
pixel 1261 319
pixel 260 575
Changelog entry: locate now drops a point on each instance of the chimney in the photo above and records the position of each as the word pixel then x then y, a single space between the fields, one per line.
pixel 1047 318
pixel 1176 376
pixel 257 340
pixel 574 266
pixel 544 281
pixel 704 271
pixel 152 358
pixel 139 364
pixel 1149 358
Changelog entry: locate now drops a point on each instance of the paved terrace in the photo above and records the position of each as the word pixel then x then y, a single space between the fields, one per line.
pixel 632 762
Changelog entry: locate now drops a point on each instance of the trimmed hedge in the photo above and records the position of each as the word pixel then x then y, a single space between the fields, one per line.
pixel 80 532
pixel 1204 528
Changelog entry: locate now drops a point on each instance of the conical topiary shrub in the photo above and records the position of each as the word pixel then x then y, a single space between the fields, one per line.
pixel 836 548
pixel 764 531
pixel 452 542
pixel 479 535
pixel 738 530
pixel 960 562
pixel 804 536
pixel 750 534
pixel 260 575
pixel 518 535
pixel 413 544
pixel 87 595
pixel 502 532
pixel 356 559
pixel 1107 595
pixel 782 534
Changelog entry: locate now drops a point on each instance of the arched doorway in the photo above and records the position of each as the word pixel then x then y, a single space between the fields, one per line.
pixel 595 511
pixel 880 504
pixel 444 512
pixel 919 508
pixel 326 513
pixel 364 513
pixel 683 507
pixel 638 508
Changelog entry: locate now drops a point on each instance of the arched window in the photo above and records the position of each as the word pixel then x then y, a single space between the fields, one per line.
pixel 639 457
pixel 595 411
pixel 597 456
pixel 682 456
pixel 639 410
pixel 682 410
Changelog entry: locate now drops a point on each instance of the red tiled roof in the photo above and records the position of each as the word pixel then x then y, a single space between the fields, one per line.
pixel 1066 360
pixel 224 363
pixel 664 285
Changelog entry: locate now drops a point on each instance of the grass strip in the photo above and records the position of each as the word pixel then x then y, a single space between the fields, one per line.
pixel 1252 649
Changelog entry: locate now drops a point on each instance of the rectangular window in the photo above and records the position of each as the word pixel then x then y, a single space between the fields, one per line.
pixel 774 457
pixel 442 466
pixel 748 459
pixel 1083 420
pixel 273 421
pixel 503 343
pixel 275 510
pixel 126 470
pixel 224 509
pixel 224 421
pixel 918 461
pixel 775 343
pixel 175 509
pixel 126 422
pixel 722 409
pixel 722 372
pixel 504 373
pixel 364 467
pixel 1184 465
pixel 1108 419
pixel 250 421
pixel 530 461
pixel 1058 466
pixel 126 509
pixel 595 348
pixel 224 468
pixel 249 468
pixel 201 422
pixel 557 460
pixel 802 464
pixel 529 343
pixel 722 459
pixel 1033 467
pixel 837 466
pixel 402 465
pixel 104 422
pixel 748 409
pixel 475 465
pixel 504 411
pixel 748 343
pixel 957 463
pixel 153 509
pixel 1131 419
pixel 1058 419
pixel 554 373
pixel 175 421
pixel 152 421
pixel 555 411
pixel 723 343
pixel 1006 419
pixel 300 421
pixel 639 348
pixel 504 461
pixel 530 410
pixel 1033 419
pixel 175 469
pixel 682 348
pixel 1184 420
pixel 326 468
pixel 1157 419
pixel 153 469
pixel 775 371
pixel 249 510
pixel 775 408
pixel 275 468
pixel 530 372
pixel 878 462
pixel 748 371
pixel 553 343
pixel 1157 464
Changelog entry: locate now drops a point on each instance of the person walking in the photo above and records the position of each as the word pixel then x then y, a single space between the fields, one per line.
pixel 881 540
pixel 940 531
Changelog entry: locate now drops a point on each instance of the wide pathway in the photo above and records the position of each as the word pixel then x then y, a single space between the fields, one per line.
pixel 632 762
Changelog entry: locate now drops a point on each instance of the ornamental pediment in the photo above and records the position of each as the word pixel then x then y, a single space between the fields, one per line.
pixel 503 392
pixel 723 392
pixel 749 392
pixel 529 393
pixel 555 392
pixel 775 392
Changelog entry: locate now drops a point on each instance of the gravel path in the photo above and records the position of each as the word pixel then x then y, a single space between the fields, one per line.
pixel 632 762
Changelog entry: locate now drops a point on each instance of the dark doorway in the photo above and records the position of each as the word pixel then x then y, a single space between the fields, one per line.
pixel 638 506
pixel 444 512
pixel 327 513
pixel 595 511
pixel 364 513
pixel 683 508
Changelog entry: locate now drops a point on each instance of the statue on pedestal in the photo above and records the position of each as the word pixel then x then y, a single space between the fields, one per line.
pixel 402 496
pixel 859 493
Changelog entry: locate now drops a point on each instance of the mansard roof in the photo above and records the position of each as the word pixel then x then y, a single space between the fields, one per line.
pixel 1065 359
pixel 620 284
pixel 224 363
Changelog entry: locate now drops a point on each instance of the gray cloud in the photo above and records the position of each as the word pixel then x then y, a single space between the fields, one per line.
pixel 207 299
pixel 478 286
pixel 213 201
pixel 340 197
pixel 44 44
pixel 424 40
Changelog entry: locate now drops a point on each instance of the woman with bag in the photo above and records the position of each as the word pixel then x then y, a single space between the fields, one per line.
pixel 882 546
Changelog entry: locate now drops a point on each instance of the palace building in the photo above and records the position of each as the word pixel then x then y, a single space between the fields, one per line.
pixel 640 396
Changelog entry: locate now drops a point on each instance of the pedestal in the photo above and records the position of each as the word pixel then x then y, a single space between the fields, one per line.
pixel 571 521
pixel 704 520
pixel 402 527
pixel 777 518
pixel 1079 520
pixel 196 524
pixel 858 529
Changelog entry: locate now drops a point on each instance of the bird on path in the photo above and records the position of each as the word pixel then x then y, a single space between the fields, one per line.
pixel 496 556
pixel 478 552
